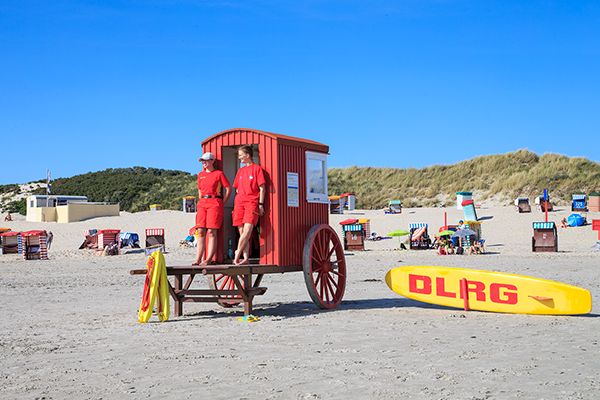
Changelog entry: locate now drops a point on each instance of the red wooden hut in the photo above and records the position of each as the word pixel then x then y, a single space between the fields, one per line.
pixel 292 235
pixel 296 172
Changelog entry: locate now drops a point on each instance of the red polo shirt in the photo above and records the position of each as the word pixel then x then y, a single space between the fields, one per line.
pixel 211 183
pixel 247 182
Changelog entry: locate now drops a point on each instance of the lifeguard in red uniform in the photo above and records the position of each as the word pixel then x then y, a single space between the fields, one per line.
pixel 209 215
pixel 249 201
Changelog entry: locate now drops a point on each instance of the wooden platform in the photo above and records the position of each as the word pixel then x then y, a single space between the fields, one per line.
pixel 246 286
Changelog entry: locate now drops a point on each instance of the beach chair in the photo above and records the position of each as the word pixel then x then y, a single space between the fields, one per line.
pixel 419 238
pixel 349 201
pixel 189 204
pixel 578 202
pixel 594 202
pixel 11 242
pixel 394 207
pixel 336 204
pixel 35 245
pixel 108 238
pixel 523 205
pixel 546 205
pixel 543 204
pixel 366 223
pixel 354 237
pixel 545 237
pixel 475 226
pixel 155 240
pixel 130 239
pixel 90 240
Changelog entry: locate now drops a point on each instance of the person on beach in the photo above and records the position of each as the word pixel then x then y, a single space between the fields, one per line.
pixel 8 217
pixel 249 201
pixel 213 192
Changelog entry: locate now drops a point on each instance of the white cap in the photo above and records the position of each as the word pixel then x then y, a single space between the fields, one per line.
pixel 206 157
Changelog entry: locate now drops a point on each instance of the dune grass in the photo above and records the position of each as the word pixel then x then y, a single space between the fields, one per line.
pixel 497 177
pixel 501 177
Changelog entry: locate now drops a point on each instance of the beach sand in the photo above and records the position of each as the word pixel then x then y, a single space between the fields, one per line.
pixel 69 325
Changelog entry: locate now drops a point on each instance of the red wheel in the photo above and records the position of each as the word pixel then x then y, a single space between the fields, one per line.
pixel 324 266
pixel 225 282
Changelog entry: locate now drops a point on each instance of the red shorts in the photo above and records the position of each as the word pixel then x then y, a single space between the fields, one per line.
pixel 245 211
pixel 209 213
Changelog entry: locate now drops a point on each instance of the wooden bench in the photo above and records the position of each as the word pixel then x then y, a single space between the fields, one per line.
pixel 596 226
pixel 246 288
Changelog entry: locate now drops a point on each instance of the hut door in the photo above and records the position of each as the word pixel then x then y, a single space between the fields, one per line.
pixel 230 234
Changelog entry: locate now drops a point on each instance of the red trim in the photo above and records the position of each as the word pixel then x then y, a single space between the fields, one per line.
pixel 34 233
pixel 109 231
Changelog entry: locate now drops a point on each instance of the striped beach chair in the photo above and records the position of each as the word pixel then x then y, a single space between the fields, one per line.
pixel 354 236
pixel 579 202
pixel 90 240
pixel 12 242
pixel 419 237
pixel 109 237
pixel 35 245
pixel 545 237
pixel 155 240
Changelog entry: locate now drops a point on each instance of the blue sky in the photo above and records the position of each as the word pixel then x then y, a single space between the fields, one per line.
pixel 88 85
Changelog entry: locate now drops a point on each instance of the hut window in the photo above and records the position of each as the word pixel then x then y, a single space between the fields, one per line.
pixel 316 177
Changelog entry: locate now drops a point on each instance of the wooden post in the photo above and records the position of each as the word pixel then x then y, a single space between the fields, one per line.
pixel 248 285
pixel 178 306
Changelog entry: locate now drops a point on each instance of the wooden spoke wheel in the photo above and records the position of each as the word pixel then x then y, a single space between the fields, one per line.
pixel 225 282
pixel 324 266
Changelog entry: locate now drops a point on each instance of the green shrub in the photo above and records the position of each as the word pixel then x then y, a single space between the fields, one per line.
pixel 18 206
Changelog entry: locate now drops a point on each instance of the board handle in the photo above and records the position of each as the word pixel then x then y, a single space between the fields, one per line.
pixel 463 288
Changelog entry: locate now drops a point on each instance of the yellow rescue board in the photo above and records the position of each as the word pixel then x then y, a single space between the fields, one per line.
pixel 488 290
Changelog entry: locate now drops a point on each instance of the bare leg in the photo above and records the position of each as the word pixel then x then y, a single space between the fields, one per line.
pixel 236 258
pixel 200 246
pixel 212 246
pixel 243 244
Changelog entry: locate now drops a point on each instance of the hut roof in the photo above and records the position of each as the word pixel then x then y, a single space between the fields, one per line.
pixel 309 144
